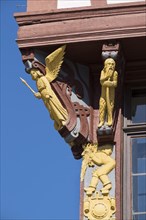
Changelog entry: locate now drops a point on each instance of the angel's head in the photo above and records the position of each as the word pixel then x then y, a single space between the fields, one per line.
pixel 35 68
pixel 35 73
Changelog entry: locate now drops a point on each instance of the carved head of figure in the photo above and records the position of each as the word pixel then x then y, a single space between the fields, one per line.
pixel 35 74
pixel 90 148
pixel 35 68
pixel 109 65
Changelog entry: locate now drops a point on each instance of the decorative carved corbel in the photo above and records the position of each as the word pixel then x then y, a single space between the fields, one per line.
pixel 62 89
pixel 27 54
pixel 110 50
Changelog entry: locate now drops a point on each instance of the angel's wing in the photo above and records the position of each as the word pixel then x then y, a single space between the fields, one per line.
pixel 54 62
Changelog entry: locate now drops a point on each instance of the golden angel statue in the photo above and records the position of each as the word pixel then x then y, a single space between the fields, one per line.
pixel 53 64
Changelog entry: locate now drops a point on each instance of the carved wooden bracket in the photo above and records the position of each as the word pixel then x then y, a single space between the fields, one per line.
pixel 27 54
pixel 78 91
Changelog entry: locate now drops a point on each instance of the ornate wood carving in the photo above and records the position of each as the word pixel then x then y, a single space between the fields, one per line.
pixel 79 91
pixel 72 89
pixel 112 50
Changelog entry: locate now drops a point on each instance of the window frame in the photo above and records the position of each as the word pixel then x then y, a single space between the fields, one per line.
pixel 131 131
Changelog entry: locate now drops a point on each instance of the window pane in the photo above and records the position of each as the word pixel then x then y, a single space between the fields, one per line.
pixel 139 217
pixel 139 155
pixel 139 193
pixel 139 110
pixel 139 106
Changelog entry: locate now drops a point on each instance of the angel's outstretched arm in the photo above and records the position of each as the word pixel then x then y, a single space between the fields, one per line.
pixel 38 95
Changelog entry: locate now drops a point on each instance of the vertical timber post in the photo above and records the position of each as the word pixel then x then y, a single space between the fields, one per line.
pixel 101 165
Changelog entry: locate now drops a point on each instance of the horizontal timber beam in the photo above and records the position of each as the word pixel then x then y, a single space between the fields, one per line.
pixel 78 25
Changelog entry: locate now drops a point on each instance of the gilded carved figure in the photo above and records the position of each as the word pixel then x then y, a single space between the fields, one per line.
pixel 57 112
pixel 98 205
pixel 105 164
pixel 108 80
pixel 53 64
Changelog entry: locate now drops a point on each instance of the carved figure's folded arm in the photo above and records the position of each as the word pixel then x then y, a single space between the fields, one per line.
pixel 108 83
pixel 103 77
pixel 105 82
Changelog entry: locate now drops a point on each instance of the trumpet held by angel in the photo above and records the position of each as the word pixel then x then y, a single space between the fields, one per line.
pixel 53 65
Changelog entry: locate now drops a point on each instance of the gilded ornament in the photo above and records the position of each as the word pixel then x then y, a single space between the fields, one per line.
pixel 108 80
pixel 53 64
pixel 92 155
pixel 99 207
pixel 96 206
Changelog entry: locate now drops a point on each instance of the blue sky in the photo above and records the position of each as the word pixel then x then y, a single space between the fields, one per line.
pixel 39 176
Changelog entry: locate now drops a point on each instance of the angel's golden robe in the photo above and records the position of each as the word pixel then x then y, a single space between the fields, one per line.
pixel 57 112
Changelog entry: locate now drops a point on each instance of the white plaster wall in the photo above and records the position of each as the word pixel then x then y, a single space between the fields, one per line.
pixel 122 1
pixel 72 3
